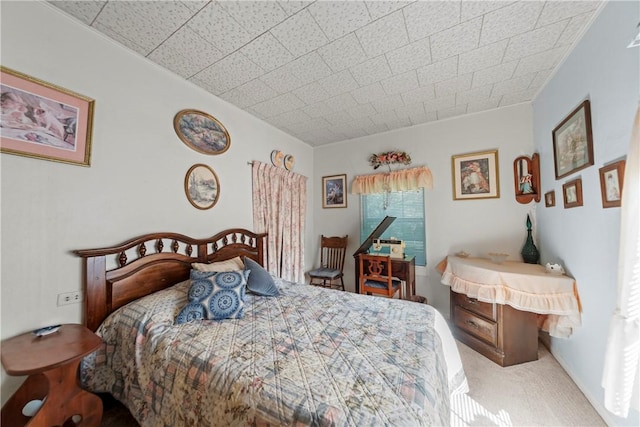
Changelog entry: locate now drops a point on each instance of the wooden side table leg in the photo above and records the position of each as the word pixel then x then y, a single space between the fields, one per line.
pixel 35 387
pixel 66 399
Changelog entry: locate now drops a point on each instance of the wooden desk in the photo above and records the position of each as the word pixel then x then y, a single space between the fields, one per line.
pixel 403 269
pixel 51 361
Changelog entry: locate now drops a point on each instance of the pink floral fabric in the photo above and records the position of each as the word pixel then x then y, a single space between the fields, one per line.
pixel 279 209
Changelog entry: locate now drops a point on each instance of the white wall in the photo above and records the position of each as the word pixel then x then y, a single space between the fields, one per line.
pixel 585 239
pixel 477 226
pixel 138 164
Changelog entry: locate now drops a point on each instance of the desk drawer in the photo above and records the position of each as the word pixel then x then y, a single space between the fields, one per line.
pixel 476 325
pixel 473 305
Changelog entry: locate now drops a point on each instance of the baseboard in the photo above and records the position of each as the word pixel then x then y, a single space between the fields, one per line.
pixel 598 406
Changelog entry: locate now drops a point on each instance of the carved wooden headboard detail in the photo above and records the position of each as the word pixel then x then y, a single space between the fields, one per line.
pixel 117 275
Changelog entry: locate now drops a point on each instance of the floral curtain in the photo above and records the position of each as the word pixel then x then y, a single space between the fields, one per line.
pixel 401 180
pixel 279 208
pixel 622 358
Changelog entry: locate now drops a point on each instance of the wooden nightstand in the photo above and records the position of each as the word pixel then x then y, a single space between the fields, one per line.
pixel 51 361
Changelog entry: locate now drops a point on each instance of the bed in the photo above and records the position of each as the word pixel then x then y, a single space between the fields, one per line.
pixel 308 356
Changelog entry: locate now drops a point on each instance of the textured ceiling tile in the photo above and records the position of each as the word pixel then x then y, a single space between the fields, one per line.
pixel 389 103
pixel 195 5
pixel 85 11
pixel 185 53
pixel 318 109
pixel 424 18
pixel 446 113
pixel 288 118
pixel 472 9
pixel 229 72
pixel 311 93
pixel 414 112
pixel 387 118
pixel 341 102
pixel 267 52
pixel 555 11
pixel 146 23
pixel 540 61
pixel 574 27
pixel 338 118
pixel 237 98
pixel 540 78
pixel 494 74
pixel 300 34
pixel 516 84
pixel 380 8
pixel 473 95
pixel 255 17
pixel 517 97
pixel 292 6
pixel 410 57
pixel 282 80
pixel 419 95
pixel 534 41
pixel 440 103
pixel 451 86
pixel 455 40
pixel 278 105
pixel 257 91
pixel 308 68
pixel 483 57
pixel 438 71
pixel 487 104
pixel 371 71
pixel 339 83
pixel 400 83
pixel 362 110
pixel 383 35
pixel 214 24
pixel 343 53
pixel 368 93
pixel 144 51
pixel 509 21
pixel 337 18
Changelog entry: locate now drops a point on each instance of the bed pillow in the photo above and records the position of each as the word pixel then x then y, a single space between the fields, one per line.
pixel 260 281
pixel 214 296
pixel 232 264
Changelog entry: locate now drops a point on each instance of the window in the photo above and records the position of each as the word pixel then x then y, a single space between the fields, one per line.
pixel 409 226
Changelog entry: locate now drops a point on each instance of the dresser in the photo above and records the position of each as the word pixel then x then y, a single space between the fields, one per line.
pixel 497 331
pixel 496 309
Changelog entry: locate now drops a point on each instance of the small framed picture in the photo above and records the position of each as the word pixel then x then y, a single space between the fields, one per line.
pixel 333 191
pixel 573 142
pixel 475 175
pixel 550 198
pixel 572 193
pixel 611 180
pixel 44 121
pixel 201 186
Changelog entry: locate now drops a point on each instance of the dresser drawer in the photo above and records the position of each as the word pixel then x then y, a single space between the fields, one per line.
pixel 475 325
pixel 482 308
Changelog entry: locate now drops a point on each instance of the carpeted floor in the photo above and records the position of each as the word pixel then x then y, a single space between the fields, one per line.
pixel 536 393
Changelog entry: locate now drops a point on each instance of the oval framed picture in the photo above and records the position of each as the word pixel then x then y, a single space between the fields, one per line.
pixel 201 186
pixel 201 132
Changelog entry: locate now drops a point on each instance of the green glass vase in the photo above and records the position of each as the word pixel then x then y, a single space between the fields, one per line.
pixel 530 253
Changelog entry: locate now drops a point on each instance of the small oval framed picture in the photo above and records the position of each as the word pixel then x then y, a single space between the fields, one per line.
pixel 202 186
pixel 201 132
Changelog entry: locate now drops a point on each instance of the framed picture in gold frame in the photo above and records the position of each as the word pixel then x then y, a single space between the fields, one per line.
pixel 201 132
pixel 611 180
pixel 475 175
pixel 334 193
pixel 44 121
pixel 201 186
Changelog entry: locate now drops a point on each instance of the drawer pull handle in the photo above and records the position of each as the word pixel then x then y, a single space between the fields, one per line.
pixel 472 324
pixel 472 300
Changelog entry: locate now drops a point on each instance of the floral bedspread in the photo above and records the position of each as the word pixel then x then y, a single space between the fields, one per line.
pixel 311 356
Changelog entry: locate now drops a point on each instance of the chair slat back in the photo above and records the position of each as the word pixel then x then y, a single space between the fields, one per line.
pixel 333 251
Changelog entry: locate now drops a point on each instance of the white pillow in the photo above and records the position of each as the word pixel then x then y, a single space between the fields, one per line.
pixel 232 264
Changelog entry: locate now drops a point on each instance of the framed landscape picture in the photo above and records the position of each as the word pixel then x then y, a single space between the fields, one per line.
pixel 202 187
pixel 334 193
pixel 611 180
pixel 573 142
pixel 201 132
pixel 475 175
pixel 44 121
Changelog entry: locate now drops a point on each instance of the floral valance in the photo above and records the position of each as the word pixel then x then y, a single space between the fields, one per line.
pixel 401 180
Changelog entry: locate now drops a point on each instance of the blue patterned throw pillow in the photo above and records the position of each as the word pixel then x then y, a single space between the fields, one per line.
pixel 214 296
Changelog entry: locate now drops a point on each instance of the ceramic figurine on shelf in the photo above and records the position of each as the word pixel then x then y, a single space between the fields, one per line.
pixel 530 253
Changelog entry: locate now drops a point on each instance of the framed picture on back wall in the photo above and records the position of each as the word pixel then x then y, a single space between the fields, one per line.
pixel 475 175
pixel 334 193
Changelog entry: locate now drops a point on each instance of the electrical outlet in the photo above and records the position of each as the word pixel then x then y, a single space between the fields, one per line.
pixel 69 298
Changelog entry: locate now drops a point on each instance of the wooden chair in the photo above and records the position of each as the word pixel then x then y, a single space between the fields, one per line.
pixel 375 276
pixel 332 253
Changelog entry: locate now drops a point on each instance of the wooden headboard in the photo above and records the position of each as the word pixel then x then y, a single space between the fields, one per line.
pixel 115 276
